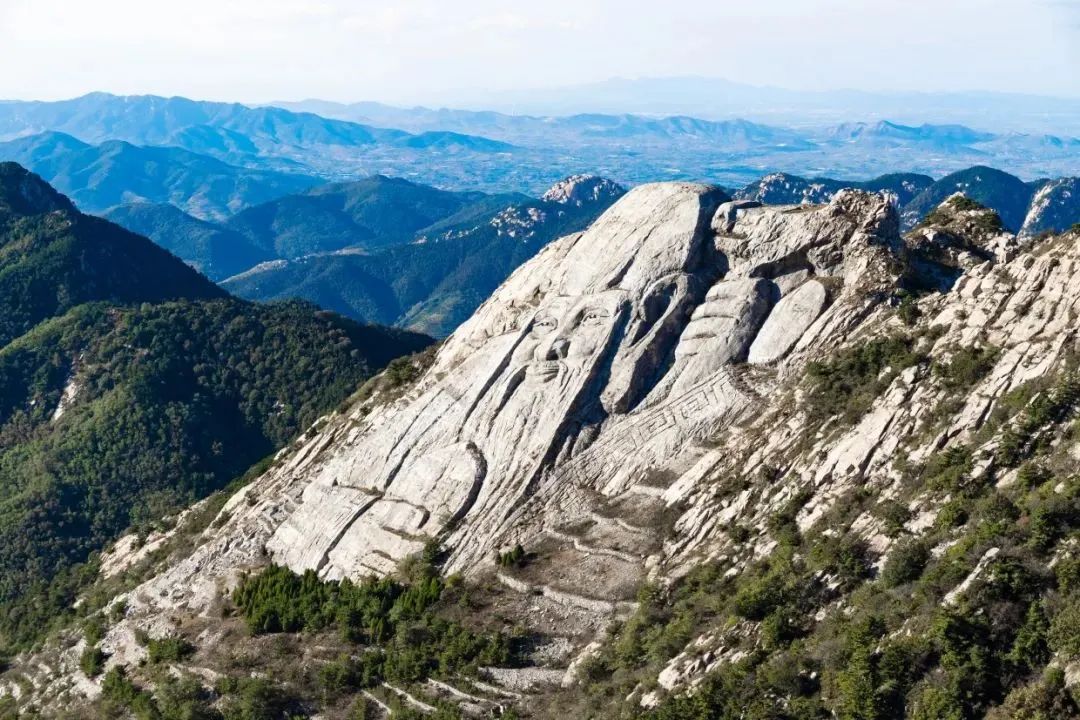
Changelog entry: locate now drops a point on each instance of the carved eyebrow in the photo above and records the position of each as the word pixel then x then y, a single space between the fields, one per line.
pixel 545 319
pixel 599 310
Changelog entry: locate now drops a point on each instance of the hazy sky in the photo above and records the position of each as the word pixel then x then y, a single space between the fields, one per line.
pixel 429 50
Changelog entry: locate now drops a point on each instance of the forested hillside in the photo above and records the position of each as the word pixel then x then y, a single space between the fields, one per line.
pixel 131 386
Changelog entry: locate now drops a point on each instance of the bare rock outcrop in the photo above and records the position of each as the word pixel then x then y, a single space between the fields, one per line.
pixel 599 403
pixel 588 375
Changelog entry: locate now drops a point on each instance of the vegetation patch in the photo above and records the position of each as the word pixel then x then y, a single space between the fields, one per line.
pixel 966 366
pixel 174 401
pixel 848 384
pixel 405 637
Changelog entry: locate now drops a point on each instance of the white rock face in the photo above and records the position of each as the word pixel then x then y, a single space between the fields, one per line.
pixel 599 405
pixel 1055 207
pixel 592 364
pixel 568 413
pixel 587 373
pixel 513 386
pixel 582 189
pixel 792 317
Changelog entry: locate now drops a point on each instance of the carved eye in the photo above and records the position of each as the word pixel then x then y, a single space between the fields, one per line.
pixel 593 317
pixel 543 325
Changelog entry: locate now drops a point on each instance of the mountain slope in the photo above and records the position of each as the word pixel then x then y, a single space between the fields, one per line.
pixel 701 461
pixel 1007 195
pixel 367 213
pixel 1054 207
pixel 130 387
pixel 53 258
pixel 785 189
pixel 904 186
pixel 228 131
pixel 211 249
pixel 434 284
pixel 116 172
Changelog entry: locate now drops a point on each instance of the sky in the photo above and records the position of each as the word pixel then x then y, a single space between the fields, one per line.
pixel 436 51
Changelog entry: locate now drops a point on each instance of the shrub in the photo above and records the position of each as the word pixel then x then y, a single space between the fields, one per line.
pixel 183 698
pixel 844 557
pixel 1032 475
pixel 1044 699
pixel 119 697
pixel 948 470
pixel 410 640
pixel 967 366
pixel 118 610
pixel 953 514
pixel 738 533
pixel 512 558
pixel 905 563
pixel 94 630
pixel 1030 650
pixel 1067 572
pixel 998 510
pixel 92 661
pixel 1052 515
pixel 894 514
pixel 759 597
pixel 1022 438
pixel 169 649
pixel 847 385
pixel 402 371
pixel 256 699
pixel 908 310
pixel 1064 634
pixel 780 628
pixel 336 677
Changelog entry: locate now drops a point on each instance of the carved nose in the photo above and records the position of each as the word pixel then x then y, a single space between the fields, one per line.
pixel 557 349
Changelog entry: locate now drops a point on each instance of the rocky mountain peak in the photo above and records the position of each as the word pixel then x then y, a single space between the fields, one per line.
pixel 697 408
pixel 784 189
pixel 24 193
pixel 593 364
pixel 965 230
pixel 580 190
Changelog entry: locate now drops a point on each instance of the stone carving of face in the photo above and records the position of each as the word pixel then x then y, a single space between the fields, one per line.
pixel 566 335
pixel 514 386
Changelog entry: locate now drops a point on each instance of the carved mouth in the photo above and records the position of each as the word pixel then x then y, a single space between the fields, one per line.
pixel 544 370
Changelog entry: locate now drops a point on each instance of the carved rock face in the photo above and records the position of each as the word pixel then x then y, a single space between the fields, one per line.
pixel 594 363
pixel 514 386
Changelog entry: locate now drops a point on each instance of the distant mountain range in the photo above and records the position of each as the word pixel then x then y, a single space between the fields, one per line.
pixel 282 203
pixel 228 131
pixel 98 177
pixel 531 130
pixel 719 98
pixel 498 152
